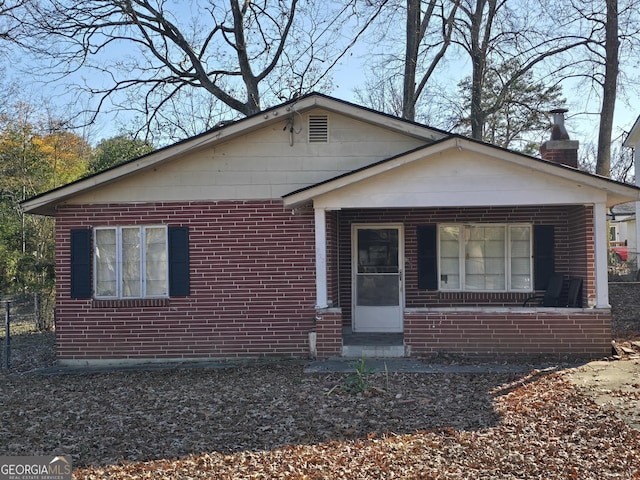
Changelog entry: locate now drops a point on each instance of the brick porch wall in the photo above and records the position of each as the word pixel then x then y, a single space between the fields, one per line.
pixel 329 333
pixel 556 333
pixel 252 269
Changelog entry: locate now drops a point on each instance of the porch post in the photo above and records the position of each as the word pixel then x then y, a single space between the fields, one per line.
pixel 636 242
pixel 321 258
pixel 600 250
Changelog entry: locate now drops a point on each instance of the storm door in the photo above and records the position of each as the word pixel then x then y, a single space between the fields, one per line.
pixel 377 278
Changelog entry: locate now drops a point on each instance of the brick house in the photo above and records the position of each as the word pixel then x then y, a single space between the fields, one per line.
pixel 318 225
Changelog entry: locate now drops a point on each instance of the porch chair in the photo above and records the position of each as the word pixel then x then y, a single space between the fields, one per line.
pixel 551 296
pixel 575 289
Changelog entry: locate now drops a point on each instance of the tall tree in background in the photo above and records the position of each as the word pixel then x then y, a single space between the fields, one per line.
pixel 609 88
pixel 113 151
pixel 610 30
pixel 522 121
pixel 428 35
pixel 407 43
pixel 237 51
pixel 497 31
pixel 33 159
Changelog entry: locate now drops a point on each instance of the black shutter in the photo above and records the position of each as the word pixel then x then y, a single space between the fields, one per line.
pixel 544 264
pixel 81 263
pixel 427 257
pixel 179 261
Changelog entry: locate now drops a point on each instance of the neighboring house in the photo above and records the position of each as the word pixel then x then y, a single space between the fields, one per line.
pixel 318 226
pixel 622 231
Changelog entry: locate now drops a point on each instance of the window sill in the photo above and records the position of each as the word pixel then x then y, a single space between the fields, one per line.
pixel 131 303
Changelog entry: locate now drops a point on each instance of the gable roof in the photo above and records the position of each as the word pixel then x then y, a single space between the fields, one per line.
pixel 616 192
pixel 435 141
pixel 45 203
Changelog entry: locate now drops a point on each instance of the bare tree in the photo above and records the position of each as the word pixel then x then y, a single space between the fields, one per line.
pixel 406 45
pixel 610 31
pixel 10 23
pixel 609 88
pixel 495 31
pixel 428 35
pixel 146 53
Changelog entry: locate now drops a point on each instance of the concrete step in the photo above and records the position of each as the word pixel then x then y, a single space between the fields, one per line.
pixel 373 351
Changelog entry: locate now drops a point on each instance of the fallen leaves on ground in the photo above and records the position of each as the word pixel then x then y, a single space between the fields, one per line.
pixel 274 421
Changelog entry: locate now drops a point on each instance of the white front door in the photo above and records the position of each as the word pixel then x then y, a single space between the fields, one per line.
pixel 377 278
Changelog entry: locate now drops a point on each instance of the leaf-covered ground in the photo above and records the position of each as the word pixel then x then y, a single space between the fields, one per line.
pixel 277 422
pixel 274 421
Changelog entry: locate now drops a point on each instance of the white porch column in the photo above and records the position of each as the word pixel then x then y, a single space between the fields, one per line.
pixel 321 258
pixel 636 162
pixel 600 238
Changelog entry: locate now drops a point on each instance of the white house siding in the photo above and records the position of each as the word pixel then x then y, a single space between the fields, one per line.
pixel 459 178
pixel 260 165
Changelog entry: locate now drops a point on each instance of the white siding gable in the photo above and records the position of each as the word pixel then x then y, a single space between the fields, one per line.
pixel 459 178
pixel 266 163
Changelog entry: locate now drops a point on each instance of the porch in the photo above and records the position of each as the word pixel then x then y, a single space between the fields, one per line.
pixel 519 334
pixel 478 230
pixel 383 301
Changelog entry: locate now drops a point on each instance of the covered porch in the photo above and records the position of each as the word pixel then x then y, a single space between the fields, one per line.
pixel 439 249
pixel 406 306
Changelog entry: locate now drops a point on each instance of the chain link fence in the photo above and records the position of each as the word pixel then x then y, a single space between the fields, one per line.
pixel 30 320
pixel 35 309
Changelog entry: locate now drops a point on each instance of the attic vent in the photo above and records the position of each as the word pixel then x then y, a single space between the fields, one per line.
pixel 318 129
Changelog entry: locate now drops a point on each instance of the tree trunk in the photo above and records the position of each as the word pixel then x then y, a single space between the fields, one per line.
pixel 609 90
pixel 251 82
pixel 411 60
pixel 478 55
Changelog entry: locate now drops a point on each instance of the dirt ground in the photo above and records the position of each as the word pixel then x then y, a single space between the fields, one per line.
pixel 612 384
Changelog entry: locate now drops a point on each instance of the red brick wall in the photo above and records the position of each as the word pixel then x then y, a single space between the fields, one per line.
pixel 252 268
pixel 565 156
pixel 582 253
pixel 571 246
pixel 329 333
pixel 536 333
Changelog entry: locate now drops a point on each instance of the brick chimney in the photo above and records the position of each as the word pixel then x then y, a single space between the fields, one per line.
pixel 559 148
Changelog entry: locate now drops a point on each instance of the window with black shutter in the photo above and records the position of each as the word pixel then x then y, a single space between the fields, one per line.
pixel 427 257
pixel 81 263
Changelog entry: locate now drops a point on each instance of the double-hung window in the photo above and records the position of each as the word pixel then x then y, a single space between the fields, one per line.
pixel 485 257
pixel 131 262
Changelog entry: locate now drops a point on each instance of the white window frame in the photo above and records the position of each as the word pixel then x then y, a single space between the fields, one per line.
pixel 119 256
pixel 507 257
